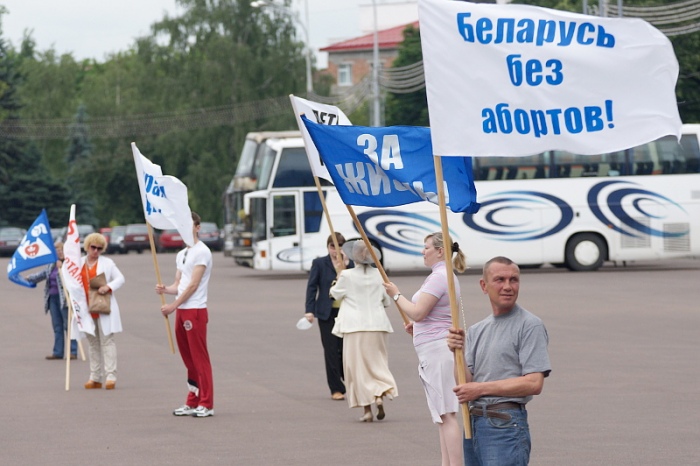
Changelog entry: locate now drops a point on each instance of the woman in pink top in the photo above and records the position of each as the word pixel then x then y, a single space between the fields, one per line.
pixel 429 309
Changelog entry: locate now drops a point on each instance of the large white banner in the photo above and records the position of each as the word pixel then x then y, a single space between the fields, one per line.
pixel 324 115
pixel 515 80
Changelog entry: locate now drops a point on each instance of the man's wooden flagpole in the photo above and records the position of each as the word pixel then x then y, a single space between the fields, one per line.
pixel 459 355
pixel 160 282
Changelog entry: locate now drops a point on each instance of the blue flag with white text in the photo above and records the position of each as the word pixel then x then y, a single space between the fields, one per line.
pixel 35 249
pixel 391 166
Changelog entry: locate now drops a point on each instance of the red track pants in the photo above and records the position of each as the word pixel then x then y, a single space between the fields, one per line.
pixel 191 335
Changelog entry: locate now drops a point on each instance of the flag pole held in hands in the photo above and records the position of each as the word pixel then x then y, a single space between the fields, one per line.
pixel 459 355
pixel 160 282
pixel 165 206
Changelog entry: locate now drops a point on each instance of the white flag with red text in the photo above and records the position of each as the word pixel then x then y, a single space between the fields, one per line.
pixel 73 280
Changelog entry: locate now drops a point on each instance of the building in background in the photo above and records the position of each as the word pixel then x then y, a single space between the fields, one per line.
pixel 350 61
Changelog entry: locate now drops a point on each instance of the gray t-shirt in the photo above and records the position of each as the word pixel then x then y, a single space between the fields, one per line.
pixel 507 346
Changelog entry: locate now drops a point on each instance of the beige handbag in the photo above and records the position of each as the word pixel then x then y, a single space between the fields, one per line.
pixel 98 303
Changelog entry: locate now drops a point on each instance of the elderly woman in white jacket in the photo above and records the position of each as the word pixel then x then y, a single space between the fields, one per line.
pixel 101 347
pixel 363 324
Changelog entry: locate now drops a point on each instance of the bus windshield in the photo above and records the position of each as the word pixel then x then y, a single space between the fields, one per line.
pixel 247 159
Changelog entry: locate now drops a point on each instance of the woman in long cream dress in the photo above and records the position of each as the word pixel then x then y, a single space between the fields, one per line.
pixel 363 324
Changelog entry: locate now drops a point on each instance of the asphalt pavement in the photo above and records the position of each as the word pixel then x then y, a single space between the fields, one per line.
pixel 624 387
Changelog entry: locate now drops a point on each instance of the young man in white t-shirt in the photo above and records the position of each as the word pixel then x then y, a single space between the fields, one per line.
pixel 191 284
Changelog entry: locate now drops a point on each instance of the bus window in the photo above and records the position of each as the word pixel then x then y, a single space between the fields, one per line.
pixel 615 163
pixel 691 152
pixel 642 158
pixel 562 163
pixel 264 164
pixel 293 169
pixel 258 218
pixel 284 215
pixel 246 161
pixel 313 212
pixel 508 168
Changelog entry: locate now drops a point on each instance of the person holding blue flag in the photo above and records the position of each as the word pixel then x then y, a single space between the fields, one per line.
pixel 55 304
pixel 37 249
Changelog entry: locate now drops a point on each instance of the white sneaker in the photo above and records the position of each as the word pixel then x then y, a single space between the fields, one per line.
pixel 201 411
pixel 183 410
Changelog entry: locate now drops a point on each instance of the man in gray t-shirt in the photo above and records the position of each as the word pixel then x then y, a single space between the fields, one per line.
pixel 507 363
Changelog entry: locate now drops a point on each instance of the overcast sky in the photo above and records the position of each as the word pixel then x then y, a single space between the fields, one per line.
pixel 94 28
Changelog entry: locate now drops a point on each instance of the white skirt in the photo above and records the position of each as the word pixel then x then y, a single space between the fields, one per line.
pixel 436 370
pixel 366 368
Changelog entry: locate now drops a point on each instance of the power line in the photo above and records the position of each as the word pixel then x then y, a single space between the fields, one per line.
pixel 148 124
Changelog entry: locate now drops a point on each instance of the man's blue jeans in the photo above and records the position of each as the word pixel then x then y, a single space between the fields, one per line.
pixel 499 442
pixel 59 321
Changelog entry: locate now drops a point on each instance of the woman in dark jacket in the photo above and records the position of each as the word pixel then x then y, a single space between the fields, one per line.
pixel 319 304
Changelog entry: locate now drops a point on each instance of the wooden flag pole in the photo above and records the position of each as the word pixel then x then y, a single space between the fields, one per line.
pixel 341 264
pixel 66 346
pixel 459 355
pixel 358 225
pixel 160 282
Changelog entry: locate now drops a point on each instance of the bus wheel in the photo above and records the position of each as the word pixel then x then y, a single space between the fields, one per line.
pixel 585 251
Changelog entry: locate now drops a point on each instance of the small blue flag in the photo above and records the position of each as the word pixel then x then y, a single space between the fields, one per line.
pixel 391 166
pixel 35 249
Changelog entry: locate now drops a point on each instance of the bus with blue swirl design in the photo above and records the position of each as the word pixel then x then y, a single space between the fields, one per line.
pixel 556 208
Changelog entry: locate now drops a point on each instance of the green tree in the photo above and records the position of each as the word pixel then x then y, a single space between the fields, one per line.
pixel 79 159
pixel 411 108
pixel 30 189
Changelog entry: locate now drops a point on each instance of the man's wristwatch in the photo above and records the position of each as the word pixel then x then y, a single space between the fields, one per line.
pixel 396 296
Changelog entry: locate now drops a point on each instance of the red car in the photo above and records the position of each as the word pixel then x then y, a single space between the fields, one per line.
pixel 136 238
pixel 170 240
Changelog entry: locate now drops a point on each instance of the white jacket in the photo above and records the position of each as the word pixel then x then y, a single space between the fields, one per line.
pixel 112 322
pixel 363 302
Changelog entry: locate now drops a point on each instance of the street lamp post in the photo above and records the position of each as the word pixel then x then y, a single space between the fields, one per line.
pixel 375 70
pixel 295 16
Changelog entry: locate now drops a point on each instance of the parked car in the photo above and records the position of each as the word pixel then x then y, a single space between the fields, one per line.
pixel 210 235
pixel 170 240
pixel 136 238
pixel 10 238
pixel 116 240
pixel 106 232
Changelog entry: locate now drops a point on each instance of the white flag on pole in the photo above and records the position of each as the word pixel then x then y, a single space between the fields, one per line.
pixel 164 197
pixel 515 80
pixel 322 114
pixel 73 280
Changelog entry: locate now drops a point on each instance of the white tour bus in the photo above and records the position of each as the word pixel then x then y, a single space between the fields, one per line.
pixel 260 150
pixel 557 207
